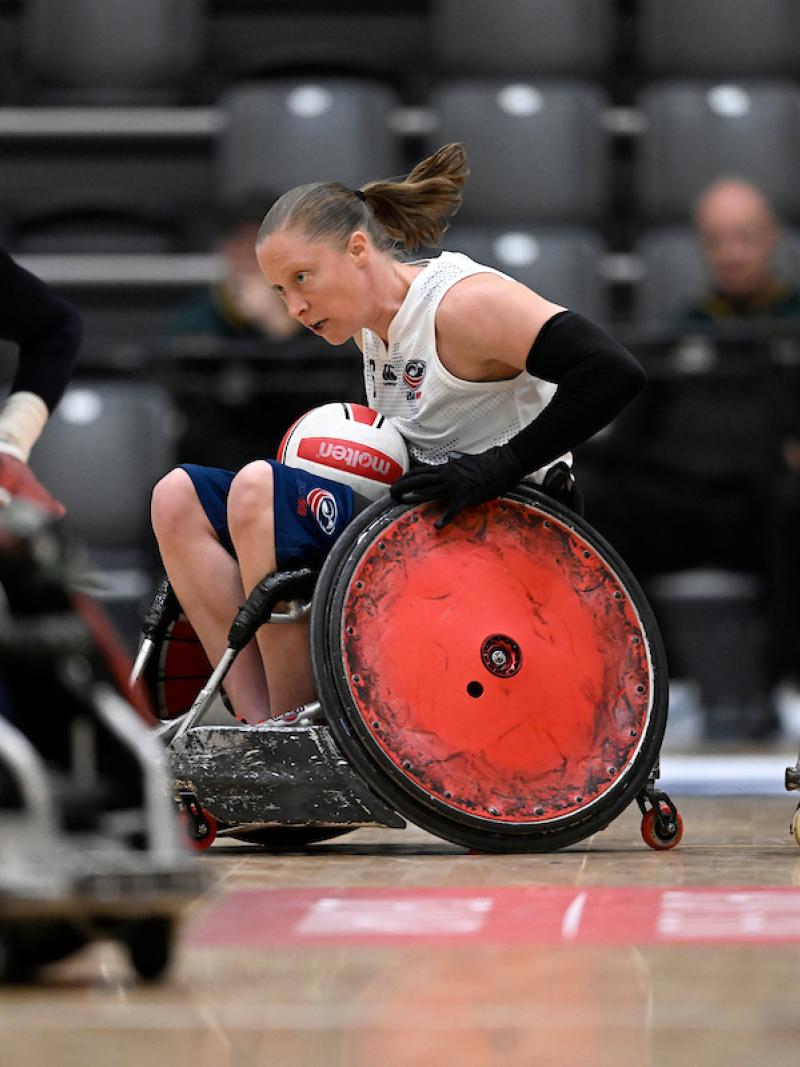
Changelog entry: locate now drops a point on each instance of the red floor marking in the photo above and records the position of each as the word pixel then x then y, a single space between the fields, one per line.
pixel 262 918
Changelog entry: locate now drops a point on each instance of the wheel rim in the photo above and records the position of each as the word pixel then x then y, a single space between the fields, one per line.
pixel 177 670
pixel 445 707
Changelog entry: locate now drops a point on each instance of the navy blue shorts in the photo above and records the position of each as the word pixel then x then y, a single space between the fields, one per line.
pixel 310 512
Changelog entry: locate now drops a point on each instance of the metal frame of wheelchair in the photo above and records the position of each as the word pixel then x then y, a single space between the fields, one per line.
pixel 492 666
pixel 90 845
pixel 793 784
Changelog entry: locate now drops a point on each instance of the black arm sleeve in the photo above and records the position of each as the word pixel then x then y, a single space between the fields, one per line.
pixel 46 328
pixel 595 377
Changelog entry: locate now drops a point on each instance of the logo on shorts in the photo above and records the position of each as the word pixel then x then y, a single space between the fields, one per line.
pixel 414 373
pixel 324 509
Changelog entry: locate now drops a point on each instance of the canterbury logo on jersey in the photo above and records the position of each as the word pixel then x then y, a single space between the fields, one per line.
pixel 358 459
pixel 323 508
pixel 389 375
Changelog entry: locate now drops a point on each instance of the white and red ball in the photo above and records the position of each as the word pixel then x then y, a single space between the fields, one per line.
pixel 348 443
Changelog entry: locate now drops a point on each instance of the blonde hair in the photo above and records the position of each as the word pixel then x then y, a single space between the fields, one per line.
pixel 396 213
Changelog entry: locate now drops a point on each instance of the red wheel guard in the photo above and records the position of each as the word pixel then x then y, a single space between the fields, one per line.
pixel 182 670
pixel 498 664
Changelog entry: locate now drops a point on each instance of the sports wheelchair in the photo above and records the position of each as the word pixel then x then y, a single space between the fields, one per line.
pixel 500 683
pixel 90 847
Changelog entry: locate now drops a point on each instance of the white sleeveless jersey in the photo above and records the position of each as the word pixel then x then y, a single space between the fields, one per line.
pixel 436 412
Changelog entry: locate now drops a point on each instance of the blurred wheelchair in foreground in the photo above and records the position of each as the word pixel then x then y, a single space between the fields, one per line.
pixel 793 783
pixel 89 842
pixel 501 684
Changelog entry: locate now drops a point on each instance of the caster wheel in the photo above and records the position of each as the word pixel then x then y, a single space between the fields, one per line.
pixel 25 947
pixel 13 965
pixel 149 944
pixel 796 826
pixel 200 827
pixel 653 834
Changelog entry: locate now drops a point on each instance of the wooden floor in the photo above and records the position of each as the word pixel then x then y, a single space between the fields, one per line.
pixel 392 948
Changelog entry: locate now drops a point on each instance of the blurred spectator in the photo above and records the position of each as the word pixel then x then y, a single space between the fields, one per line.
pixel 706 485
pixel 739 231
pixel 241 305
pixel 235 343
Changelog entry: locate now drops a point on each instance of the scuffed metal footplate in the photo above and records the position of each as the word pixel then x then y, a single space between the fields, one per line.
pixel 274 775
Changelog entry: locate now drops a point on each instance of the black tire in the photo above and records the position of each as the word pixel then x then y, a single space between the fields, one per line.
pixel 13 965
pixel 27 946
pixel 359 748
pixel 287 838
pixel 149 943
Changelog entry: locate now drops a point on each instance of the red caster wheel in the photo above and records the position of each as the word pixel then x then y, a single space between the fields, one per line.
pixel 664 833
pixel 199 825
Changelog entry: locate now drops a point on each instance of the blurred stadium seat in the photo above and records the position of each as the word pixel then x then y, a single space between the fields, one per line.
pixel 127 300
pixel 119 318
pixel 715 628
pixel 696 132
pixel 524 168
pixel 523 38
pixel 250 39
pixel 674 271
pixel 287 132
pixel 563 265
pixel 114 51
pixel 94 228
pixel 148 161
pixel 717 38
pixel 102 451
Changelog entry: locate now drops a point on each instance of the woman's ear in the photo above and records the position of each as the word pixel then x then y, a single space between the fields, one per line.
pixel 358 246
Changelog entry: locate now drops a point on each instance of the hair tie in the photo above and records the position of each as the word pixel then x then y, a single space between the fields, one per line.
pixel 361 196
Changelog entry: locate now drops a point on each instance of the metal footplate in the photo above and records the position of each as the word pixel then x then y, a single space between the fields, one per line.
pixel 274 775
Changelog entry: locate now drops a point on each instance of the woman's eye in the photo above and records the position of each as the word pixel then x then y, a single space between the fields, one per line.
pixel 302 276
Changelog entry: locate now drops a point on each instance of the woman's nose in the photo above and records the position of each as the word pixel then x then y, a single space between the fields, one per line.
pixel 296 305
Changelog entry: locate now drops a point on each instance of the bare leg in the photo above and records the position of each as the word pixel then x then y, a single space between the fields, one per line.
pixel 285 650
pixel 208 584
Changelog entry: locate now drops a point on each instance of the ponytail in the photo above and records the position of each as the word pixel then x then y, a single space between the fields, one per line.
pixel 417 210
pixel 406 212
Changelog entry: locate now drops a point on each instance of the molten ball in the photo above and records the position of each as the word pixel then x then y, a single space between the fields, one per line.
pixel 348 443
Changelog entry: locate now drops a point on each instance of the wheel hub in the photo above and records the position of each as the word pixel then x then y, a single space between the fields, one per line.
pixel 501 655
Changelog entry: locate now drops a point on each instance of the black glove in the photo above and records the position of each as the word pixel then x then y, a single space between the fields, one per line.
pixel 461 481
